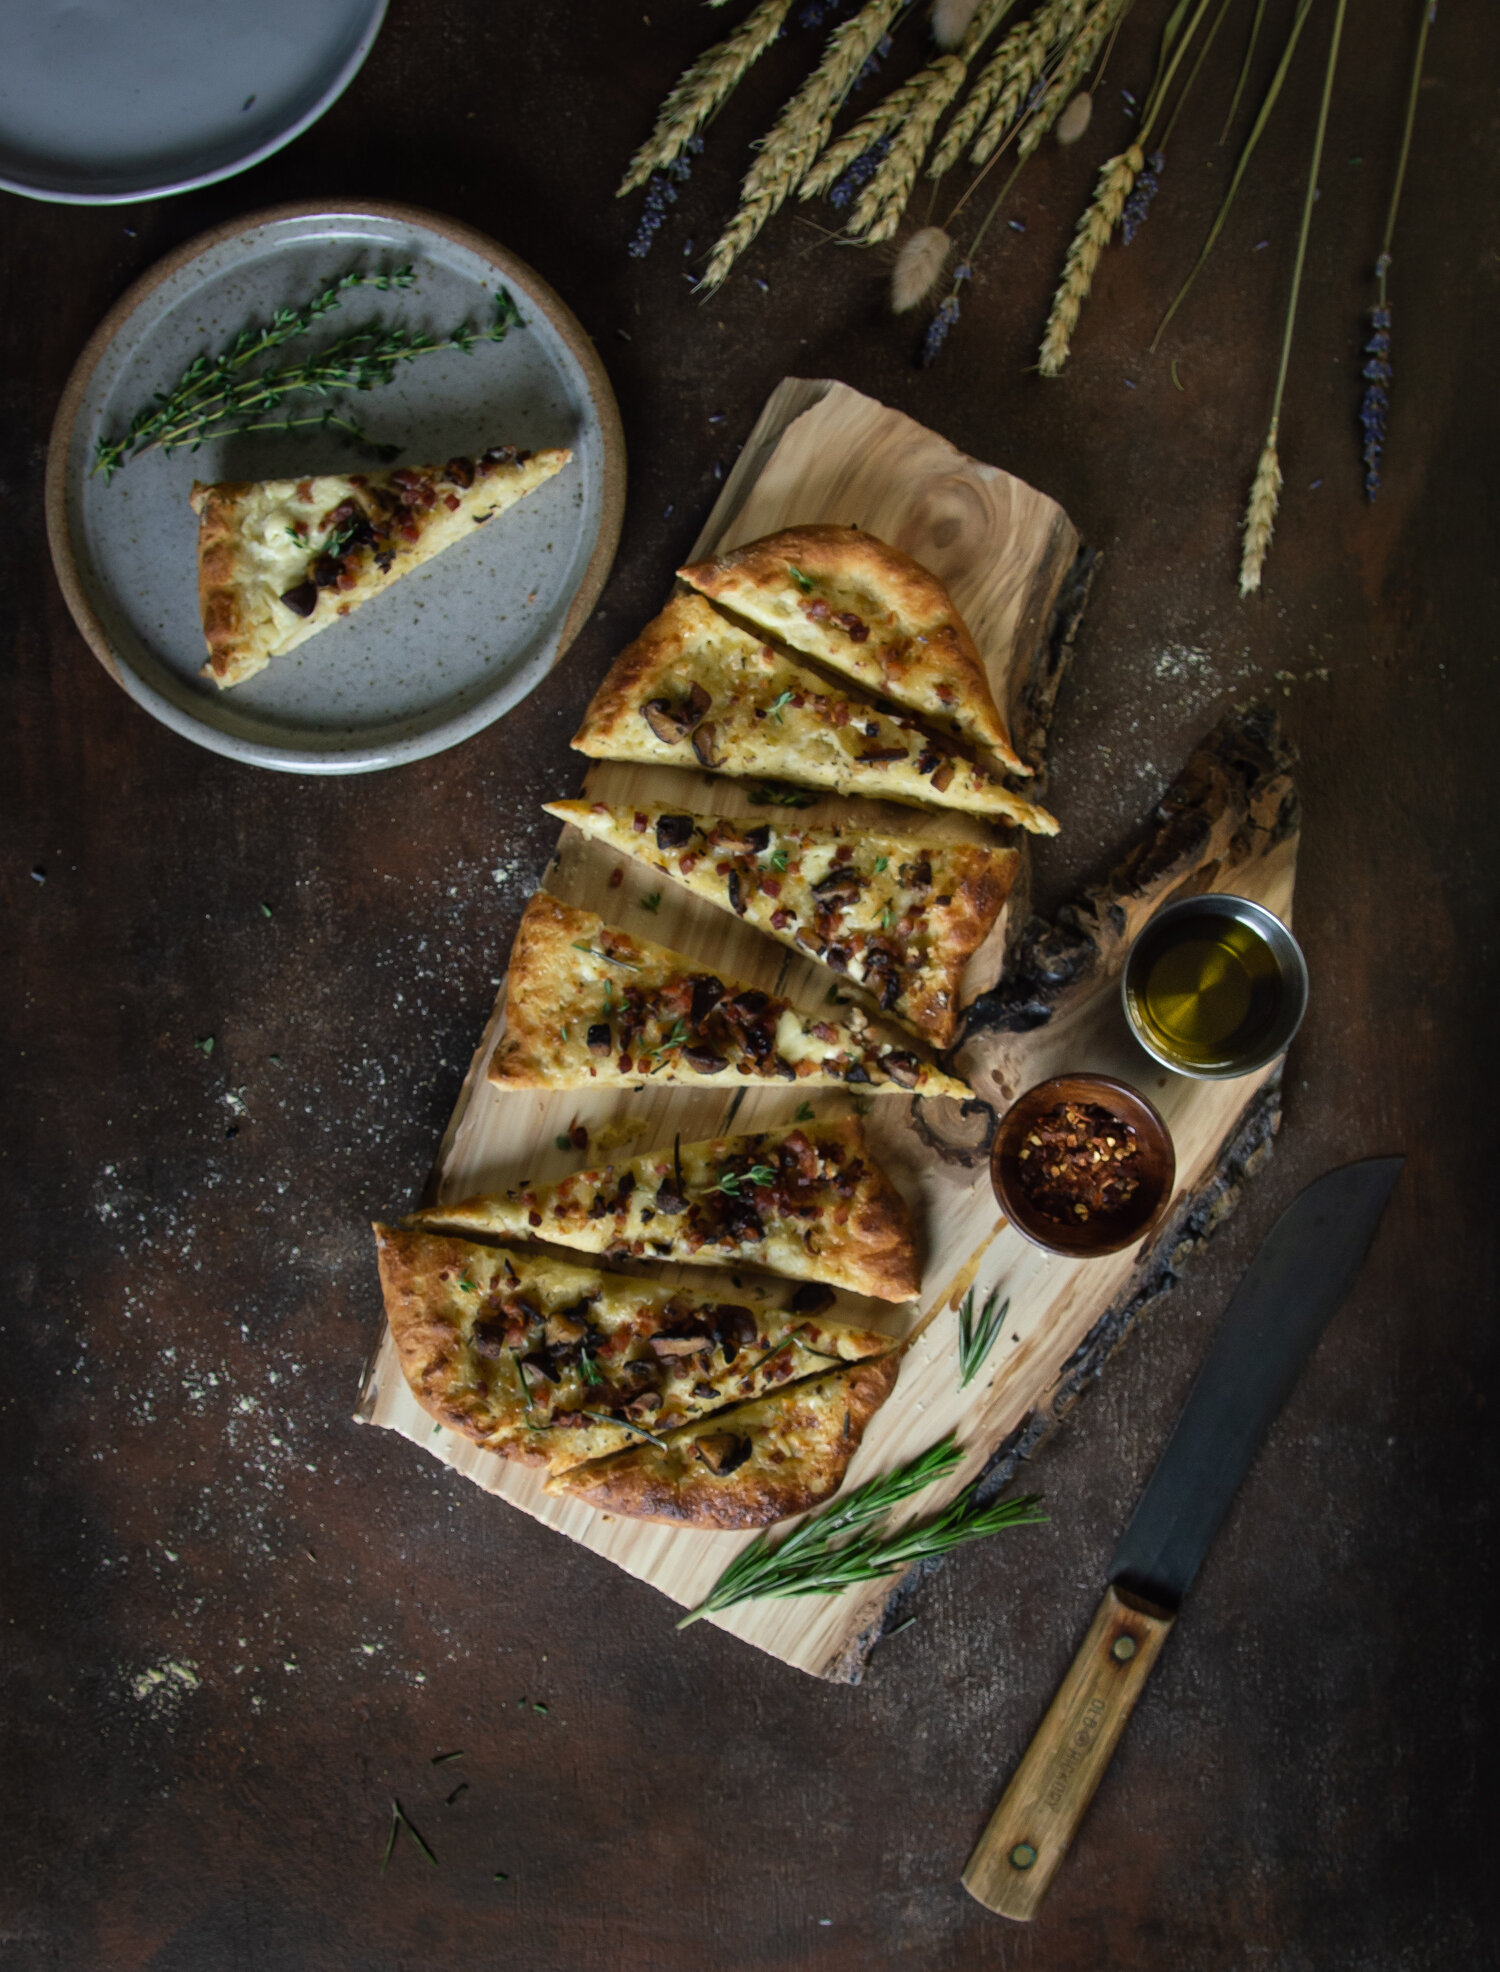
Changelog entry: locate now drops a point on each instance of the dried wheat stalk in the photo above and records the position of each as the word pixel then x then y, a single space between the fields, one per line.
pixel 1089 242
pixel 702 88
pixel 1075 65
pixel 799 135
pixel 1260 515
pixel 861 137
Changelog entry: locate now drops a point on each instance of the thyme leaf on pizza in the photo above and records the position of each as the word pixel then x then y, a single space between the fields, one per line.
pixel 899 915
pixel 224 393
pixel 817 1559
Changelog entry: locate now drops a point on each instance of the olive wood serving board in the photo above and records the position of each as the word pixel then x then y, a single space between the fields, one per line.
pixel 1011 558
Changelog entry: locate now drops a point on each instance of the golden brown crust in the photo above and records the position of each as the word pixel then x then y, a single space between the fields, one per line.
pixel 913 913
pixel 220 593
pixel 912 645
pixel 560 964
pixel 820 1209
pixel 492 1342
pixel 801 1441
pixel 696 690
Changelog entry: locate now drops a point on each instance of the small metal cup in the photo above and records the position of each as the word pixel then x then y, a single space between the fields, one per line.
pixel 1291 989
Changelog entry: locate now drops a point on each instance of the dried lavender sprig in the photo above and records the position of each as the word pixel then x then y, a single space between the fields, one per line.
pixel 223 400
pixel 941 325
pixel 859 173
pixel 1374 406
pixel 1261 514
pixel 1376 402
pixel 660 194
pixel 1144 191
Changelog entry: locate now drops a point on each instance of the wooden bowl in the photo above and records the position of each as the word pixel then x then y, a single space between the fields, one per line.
pixel 1107 1232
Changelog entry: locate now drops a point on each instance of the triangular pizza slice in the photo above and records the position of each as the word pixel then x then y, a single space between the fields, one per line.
pixel 869 611
pixel 281 559
pixel 550 1363
pixel 897 914
pixel 696 690
pixel 808 1202
pixel 747 1467
pixel 587 1006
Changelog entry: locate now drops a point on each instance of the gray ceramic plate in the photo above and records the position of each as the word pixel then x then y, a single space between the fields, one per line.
pixel 443 652
pixel 127 99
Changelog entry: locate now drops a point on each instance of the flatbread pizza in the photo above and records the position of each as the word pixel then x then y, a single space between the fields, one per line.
pixel 807 1201
pixel 696 690
pixel 281 559
pixel 587 1006
pixel 897 914
pixel 778 1455
pixel 869 611
pixel 550 1363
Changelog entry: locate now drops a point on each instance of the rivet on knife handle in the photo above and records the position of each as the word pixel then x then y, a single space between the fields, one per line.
pixel 1029 1833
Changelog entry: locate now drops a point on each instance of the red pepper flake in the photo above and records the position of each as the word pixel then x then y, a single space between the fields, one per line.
pixel 452 502
pixel 640 822
pixel 780 919
pixel 616 878
pixel 689 863
pixel 1078 1163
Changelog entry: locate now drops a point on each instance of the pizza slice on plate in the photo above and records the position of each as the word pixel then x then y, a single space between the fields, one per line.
pixel 281 559
pixel 695 690
pixel 897 914
pixel 871 612
pixel 747 1467
pixel 587 1006
pixel 808 1202
pixel 550 1363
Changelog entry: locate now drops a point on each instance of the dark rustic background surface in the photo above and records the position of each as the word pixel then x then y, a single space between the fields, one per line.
pixel 236 1624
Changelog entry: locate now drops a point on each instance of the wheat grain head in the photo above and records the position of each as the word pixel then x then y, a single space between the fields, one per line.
pixel 1089 241
pixel 1260 515
pixel 700 90
pixel 798 135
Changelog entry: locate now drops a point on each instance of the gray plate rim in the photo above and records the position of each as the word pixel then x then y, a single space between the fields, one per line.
pixel 256 154
pixel 436 739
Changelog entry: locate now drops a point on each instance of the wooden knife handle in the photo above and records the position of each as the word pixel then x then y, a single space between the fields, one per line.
pixel 1028 1836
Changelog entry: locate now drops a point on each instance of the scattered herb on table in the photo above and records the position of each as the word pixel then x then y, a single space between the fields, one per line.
pixel 652 903
pixel 977 1338
pixel 219 394
pixel 206 1045
pixel 815 1559
pixel 401 1819
pixel 442 1759
pixel 803 1113
pixel 564 1141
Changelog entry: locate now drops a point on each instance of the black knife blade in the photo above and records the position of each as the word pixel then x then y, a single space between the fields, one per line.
pixel 1305 1267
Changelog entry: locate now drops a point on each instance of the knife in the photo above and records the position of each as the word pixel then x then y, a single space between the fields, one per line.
pixel 1305 1267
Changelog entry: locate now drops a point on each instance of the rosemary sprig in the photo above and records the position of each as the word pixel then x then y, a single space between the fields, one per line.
pixel 401 1819
pixel 625 965
pixel 220 394
pixel 603 1417
pixel 808 1563
pixel 977 1338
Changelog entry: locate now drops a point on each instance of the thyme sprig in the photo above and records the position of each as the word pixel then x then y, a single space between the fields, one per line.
pixel 733 1181
pixel 808 1562
pixel 976 1338
pixel 219 394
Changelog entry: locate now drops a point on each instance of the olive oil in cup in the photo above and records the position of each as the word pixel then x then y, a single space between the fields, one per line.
pixel 1215 986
